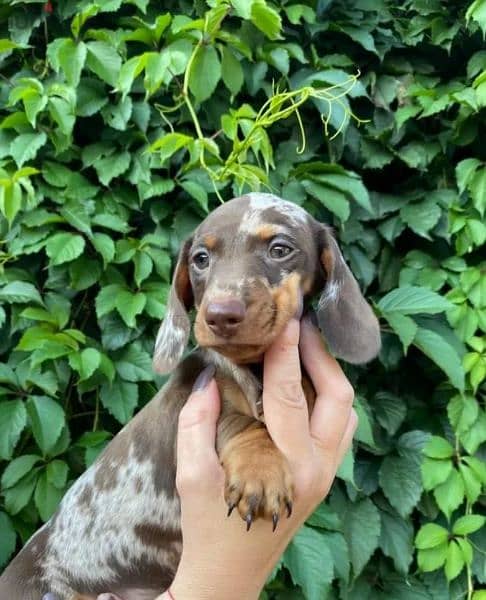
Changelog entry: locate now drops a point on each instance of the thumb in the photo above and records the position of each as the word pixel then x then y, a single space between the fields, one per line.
pixel 197 460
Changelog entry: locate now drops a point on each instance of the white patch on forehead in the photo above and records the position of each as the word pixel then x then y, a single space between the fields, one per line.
pixel 259 202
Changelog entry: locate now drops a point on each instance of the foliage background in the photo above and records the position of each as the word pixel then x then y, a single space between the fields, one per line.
pixel 120 125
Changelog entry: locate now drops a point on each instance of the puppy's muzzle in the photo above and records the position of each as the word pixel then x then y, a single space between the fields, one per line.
pixel 224 317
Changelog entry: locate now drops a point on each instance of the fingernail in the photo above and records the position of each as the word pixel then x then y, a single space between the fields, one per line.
pixel 300 307
pixel 203 379
pixel 311 318
pixel 50 596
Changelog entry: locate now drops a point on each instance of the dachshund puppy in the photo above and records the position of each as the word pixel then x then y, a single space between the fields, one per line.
pixel 245 272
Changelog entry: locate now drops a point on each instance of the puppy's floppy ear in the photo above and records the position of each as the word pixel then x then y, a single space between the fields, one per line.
pixel 174 332
pixel 345 318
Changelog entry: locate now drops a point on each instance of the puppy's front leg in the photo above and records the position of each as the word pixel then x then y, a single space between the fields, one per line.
pixel 258 478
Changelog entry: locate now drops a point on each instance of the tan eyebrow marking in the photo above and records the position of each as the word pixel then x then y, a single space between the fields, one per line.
pixel 266 231
pixel 210 241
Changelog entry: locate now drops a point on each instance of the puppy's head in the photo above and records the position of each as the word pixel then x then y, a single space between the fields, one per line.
pixel 246 269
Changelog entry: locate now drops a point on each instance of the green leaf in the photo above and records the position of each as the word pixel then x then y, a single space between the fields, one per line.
pixel 46 497
pixel 26 145
pixel 72 57
pixel 77 216
pixel 135 364
pixel 266 19
pixel 57 473
pixel 477 187
pixel 13 419
pixel 411 300
pixel 464 172
pixel 468 524
pixel 361 528
pixel 431 559
pixel 110 167
pixel 390 411
pixel 477 12
pixel 346 468
pixel 442 353
pixel 85 362
pixel 463 411
pixel 401 482
pixel 7 539
pixel 231 71
pixel 17 497
pixel 19 468
pixel 324 517
pixel 334 200
pixel 454 561
pixel 430 536
pixel 205 73
pixel 143 267
pixel 120 399
pixel 20 292
pixel 64 247
pixel 404 326
pixel 106 299
pixel 450 494
pixel 310 563
pixel 435 472
pixel 104 61
pixel 105 246
pixel 438 447
pixel 396 540
pixel 364 432
pixel 421 217
pixel 47 419
pixel 130 305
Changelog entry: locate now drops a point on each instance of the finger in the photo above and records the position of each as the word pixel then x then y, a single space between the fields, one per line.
pixel 108 597
pixel 335 394
pixel 284 404
pixel 197 461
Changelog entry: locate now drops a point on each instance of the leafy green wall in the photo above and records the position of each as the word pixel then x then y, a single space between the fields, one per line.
pixel 122 124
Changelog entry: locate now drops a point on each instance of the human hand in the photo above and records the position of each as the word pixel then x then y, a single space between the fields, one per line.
pixel 220 559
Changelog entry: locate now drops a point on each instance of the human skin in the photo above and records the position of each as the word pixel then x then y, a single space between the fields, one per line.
pixel 220 559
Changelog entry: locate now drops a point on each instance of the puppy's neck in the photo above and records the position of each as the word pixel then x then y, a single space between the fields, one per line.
pixel 248 377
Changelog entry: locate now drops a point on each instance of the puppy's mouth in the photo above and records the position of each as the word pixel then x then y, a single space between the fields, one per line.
pixel 243 330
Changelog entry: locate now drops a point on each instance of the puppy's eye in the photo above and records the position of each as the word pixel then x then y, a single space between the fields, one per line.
pixel 280 250
pixel 201 260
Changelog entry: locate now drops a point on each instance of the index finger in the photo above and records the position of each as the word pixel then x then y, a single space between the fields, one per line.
pixel 335 394
pixel 284 403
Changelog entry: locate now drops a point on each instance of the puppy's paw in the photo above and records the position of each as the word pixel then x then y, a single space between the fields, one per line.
pixel 258 479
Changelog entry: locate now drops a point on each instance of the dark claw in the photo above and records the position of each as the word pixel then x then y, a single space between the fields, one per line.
pixel 249 521
pixel 230 509
pixel 275 521
pixel 289 509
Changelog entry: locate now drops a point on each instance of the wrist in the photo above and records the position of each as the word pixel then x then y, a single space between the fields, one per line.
pixel 202 586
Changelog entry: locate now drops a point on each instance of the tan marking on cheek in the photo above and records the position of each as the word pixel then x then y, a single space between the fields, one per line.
pixel 327 260
pixel 287 298
pixel 266 231
pixel 306 284
pixel 210 241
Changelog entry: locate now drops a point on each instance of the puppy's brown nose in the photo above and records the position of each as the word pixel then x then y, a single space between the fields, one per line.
pixel 224 317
